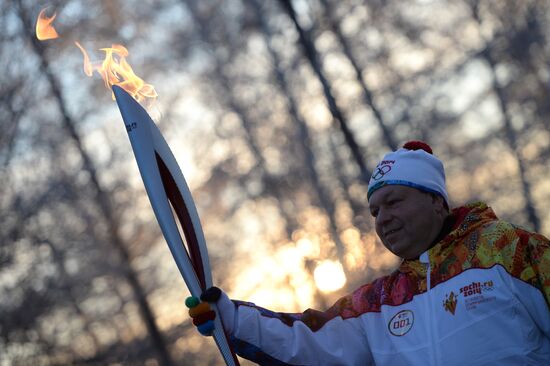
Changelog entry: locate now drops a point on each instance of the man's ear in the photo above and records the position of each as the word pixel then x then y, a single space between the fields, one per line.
pixel 440 205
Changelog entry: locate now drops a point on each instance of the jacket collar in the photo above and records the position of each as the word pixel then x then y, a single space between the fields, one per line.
pixel 460 222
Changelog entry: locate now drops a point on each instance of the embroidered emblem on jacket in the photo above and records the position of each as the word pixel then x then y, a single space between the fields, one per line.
pixel 450 303
pixel 401 323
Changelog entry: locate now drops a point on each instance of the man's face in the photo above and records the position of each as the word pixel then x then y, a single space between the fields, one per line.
pixel 407 220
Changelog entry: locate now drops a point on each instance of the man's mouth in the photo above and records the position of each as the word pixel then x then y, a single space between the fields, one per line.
pixel 390 232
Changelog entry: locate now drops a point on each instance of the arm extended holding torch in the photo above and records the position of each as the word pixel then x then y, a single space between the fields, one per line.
pixel 168 193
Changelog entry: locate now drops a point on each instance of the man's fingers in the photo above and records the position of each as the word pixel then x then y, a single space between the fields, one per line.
pixel 200 311
pixel 201 308
pixel 204 317
pixel 192 301
pixel 207 329
pixel 212 294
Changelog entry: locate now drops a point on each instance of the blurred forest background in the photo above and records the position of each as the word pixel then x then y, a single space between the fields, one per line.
pixel 277 111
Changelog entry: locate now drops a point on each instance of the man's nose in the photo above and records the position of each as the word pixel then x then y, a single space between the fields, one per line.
pixel 383 217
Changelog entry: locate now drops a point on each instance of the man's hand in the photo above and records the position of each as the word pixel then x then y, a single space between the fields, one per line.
pixel 200 311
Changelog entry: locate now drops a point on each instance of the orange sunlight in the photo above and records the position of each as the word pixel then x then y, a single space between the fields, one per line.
pixel 329 276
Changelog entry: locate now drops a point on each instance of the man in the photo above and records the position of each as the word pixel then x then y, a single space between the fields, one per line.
pixel 471 290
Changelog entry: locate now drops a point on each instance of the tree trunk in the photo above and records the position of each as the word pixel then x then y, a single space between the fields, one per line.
pixel 304 139
pixel 510 133
pixel 313 57
pixel 103 200
pixel 367 93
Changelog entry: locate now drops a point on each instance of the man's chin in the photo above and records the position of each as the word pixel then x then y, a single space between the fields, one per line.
pixel 395 249
pixel 401 250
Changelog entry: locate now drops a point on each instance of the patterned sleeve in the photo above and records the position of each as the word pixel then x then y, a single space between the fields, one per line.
pixel 524 254
pixel 537 270
pixel 526 257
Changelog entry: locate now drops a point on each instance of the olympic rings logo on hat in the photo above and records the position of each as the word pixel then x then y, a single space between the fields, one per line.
pixel 381 171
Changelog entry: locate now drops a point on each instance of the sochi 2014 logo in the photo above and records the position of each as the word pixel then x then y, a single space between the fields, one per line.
pixel 401 323
pixel 474 295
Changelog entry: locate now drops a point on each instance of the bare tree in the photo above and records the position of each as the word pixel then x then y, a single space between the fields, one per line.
pixel 314 59
pixel 510 132
pixel 101 196
pixel 329 13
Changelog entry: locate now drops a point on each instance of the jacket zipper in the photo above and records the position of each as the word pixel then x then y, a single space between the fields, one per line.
pixel 425 258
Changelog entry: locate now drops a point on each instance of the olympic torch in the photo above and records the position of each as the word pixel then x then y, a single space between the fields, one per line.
pixel 161 174
pixel 168 193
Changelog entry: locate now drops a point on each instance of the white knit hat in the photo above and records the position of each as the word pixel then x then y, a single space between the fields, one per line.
pixel 415 166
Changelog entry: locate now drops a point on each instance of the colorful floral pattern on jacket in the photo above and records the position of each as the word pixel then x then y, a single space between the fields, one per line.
pixel 481 240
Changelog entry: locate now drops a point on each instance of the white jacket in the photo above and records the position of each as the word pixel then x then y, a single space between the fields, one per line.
pixel 485 302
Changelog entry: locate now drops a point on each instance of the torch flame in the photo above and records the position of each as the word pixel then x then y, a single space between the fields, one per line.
pixel 115 70
pixel 44 27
